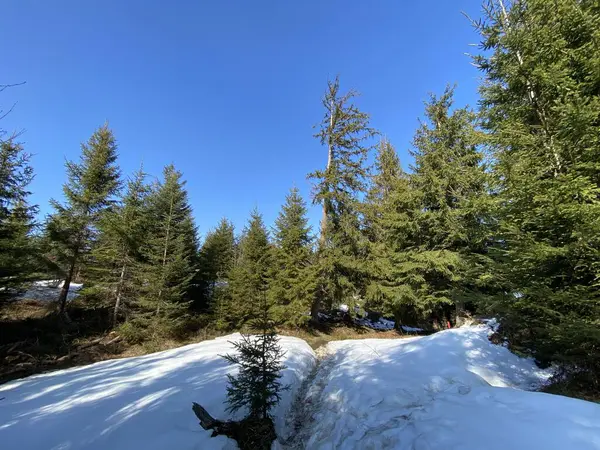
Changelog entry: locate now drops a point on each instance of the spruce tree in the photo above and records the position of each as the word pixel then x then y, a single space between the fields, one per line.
pixel 293 280
pixel 541 103
pixel 426 227
pixel 169 250
pixel 17 251
pixel 117 255
pixel 248 280
pixel 450 177
pixel 346 133
pixel 216 259
pixel 256 386
pixel 90 190
pixel 378 208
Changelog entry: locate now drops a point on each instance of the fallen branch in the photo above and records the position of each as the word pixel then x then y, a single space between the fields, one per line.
pixel 99 341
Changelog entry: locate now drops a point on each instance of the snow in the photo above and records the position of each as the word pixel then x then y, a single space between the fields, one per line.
pixel 142 402
pixel 385 325
pixel 48 290
pixel 450 390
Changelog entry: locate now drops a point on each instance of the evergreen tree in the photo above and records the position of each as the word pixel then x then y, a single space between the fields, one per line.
pixel 216 259
pixel 378 209
pixel 450 178
pixel 346 133
pixel 248 280
pixel 256 385
pixel 426 227
pixel 89 191
pixel 16 216
pixel 170 249
pixel 541 100
pixel 293 282
pixel 117 255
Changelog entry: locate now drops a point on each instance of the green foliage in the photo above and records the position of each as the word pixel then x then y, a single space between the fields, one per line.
pixel 92 184
pixel 346 132
pixel 17 249
pixel 256 385
pixel 216 259
pixel 425 226
pixel 501 210
pixel 541 63
pixel 116 259
pixel 293 281
pixel 169 251
pixel 248 279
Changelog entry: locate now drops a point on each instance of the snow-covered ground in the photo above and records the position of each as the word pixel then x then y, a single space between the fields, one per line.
pixel 48 290
pixel 450 390
pixel 142 402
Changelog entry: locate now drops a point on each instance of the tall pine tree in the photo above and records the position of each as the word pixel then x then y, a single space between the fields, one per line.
pixel 425 227
pixel 378 210
pixel 216 259
pixel 293 280
pixel 450 178
pixel 248 280
pixel 117 255
pixel 169 250
pixel 16 216
pixel 541 100
pixel 346 134
pixel 90 190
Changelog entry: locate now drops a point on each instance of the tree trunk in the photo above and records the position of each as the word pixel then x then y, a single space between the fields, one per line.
pixel 119 293
pixel 64 292
pixel 314 310
pixel 322 237
pixel 549 144
pixel 165 252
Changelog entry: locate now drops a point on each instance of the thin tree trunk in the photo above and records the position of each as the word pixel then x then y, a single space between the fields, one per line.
pixel 316 303
pixel 164 261
pixel 322 237
pixel 314 309
pixel 119 293
pixel 64 292
pixel 549 144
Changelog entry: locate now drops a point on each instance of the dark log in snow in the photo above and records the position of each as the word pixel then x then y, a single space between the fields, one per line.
pixel 206 420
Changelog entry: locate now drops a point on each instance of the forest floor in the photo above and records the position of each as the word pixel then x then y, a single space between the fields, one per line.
pixel 33 339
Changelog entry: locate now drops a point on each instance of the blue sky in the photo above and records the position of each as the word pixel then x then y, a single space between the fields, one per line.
pixel 228 91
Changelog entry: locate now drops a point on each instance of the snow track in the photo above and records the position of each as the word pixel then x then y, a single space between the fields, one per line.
pixel 307 403
pixel 451 390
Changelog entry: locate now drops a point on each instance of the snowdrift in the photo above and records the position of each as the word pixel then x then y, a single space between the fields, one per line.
pixel 142 402
pixel 451 390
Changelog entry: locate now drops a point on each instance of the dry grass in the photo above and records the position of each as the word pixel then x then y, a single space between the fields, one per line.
pixel 26 309
pixel 33 339
pixel 319 337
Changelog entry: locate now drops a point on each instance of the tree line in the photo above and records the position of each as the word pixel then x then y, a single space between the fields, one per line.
pixel 499 213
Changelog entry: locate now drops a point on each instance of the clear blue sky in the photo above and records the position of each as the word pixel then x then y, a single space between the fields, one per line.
pixel 226 90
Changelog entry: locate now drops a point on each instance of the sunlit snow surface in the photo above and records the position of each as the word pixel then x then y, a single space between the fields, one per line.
pixel 142 402
pixel 450 390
